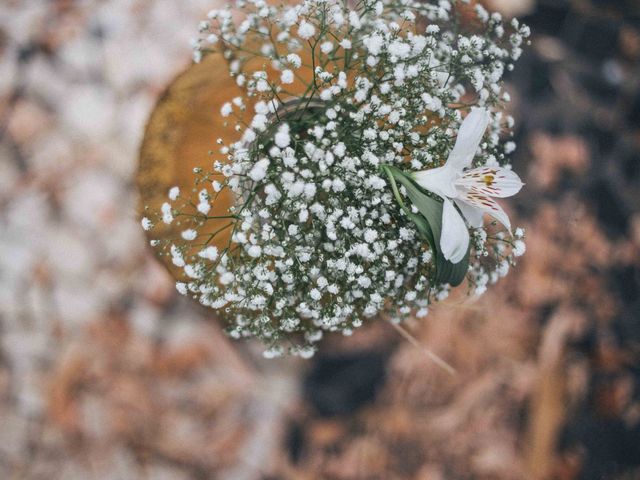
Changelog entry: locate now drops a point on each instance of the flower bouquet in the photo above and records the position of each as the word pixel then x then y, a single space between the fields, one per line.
pixel 369 143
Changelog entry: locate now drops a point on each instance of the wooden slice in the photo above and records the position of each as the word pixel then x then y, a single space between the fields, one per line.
pixel 181 133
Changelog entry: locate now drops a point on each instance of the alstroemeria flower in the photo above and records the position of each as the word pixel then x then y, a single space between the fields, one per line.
pixel 470 189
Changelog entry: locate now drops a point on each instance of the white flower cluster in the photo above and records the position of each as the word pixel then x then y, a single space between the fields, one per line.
pixel 318 241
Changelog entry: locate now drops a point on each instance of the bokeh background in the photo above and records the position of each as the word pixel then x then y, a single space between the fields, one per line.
pixel 106 373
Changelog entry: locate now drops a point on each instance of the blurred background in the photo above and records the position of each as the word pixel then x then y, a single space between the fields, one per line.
pixel 106 373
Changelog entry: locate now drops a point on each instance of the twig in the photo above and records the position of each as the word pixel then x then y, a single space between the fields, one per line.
pixel 432 356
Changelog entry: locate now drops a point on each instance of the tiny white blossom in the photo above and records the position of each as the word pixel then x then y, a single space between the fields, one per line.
pixel 167 215
pixel 286 77
pixel 204 207
pixel 306 30
pixel 226 278
pixel 181 287
pixel 294 60
pixel 326 47
pixel 259 170
pixel 189 234
pixel 354 20
pixel 282 138
pixel 174 193
pixel 209 253
pixel 374 44
pixel 226 109
pixel 370 235
pixel 519 248
pixel 399 49
pixel 176 257
pixel 146 224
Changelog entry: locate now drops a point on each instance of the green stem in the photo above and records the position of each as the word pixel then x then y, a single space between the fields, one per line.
pixel 394 187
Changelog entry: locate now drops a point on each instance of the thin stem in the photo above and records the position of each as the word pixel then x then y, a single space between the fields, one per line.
pixel 218 231
pixel 432 356
pixel 221 216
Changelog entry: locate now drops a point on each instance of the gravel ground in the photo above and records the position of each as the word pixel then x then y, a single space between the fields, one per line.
pixel 106 373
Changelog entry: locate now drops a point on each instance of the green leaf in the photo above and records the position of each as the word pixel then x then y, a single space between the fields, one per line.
pixel 429 224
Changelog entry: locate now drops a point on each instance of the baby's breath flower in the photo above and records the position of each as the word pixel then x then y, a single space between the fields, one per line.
pixel 226 109
pixel 167 215
pixel 146 224
pixel 282 138
pixel 319 238
pixel 286 77
pixel 189 234
pixel 295 60
pixel 519 247
pixel 306 30
pixel 209 253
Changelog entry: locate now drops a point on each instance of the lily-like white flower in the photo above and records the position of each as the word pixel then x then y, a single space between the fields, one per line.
pixel 470 189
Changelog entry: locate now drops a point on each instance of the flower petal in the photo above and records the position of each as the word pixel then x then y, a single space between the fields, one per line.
pixel 440 181
pixel 487 205
pixel 491 181
pixel 469 138
pixel 472 214
pixel 454 238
